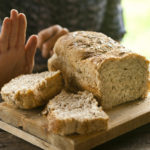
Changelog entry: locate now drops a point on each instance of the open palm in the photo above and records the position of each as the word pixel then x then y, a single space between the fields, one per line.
pixel 16 57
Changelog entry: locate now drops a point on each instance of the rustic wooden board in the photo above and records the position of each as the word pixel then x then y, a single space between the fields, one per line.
pixel 32 127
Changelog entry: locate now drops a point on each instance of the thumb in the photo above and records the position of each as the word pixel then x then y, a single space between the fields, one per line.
pixel 30 50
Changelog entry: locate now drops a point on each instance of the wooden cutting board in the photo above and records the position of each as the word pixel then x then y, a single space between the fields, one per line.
pixel 32 126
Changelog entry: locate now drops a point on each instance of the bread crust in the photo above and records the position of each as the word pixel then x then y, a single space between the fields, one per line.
pixel 36 94
pixel 81 56
pixel 69 113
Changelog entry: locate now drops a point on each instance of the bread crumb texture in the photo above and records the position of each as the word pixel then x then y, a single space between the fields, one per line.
pixel 70 113
pixel 32 90
pixel 94 62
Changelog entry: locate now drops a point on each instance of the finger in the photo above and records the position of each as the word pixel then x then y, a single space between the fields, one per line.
pixel 49 44
pixel 4 36
pixel 14 28
pixel 45 34
pixel 30 50
pixel 22 29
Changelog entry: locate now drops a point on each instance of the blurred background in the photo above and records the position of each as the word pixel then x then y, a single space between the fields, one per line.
pixel 137 23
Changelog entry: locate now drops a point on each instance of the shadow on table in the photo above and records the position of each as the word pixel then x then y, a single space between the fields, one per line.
pixel 138 139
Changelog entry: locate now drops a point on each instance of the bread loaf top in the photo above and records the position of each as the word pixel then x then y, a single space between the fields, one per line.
pixel 94 62
pixel 91 45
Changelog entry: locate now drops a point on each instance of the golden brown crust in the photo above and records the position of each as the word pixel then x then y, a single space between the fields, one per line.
pixel 148 85
pixel 81 55
pixel 57 126
pixel 35 95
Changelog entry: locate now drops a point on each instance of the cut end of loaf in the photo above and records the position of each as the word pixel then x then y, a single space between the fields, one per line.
pixel 75 113
pixel 123 79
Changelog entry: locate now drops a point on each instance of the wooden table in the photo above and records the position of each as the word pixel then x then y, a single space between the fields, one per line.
pixel 138 139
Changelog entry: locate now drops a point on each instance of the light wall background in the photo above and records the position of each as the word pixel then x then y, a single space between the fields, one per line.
pixel 137 22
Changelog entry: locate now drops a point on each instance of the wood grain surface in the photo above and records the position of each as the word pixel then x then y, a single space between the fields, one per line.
pixel 138 139
pixel 122 120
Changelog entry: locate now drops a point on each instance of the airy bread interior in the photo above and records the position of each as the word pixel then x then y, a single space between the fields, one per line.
pixel 123 80
pixel 94 62
pixel 75 113
pixel 32 90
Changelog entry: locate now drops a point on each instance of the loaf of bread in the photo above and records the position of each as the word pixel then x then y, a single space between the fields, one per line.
pixel 32 90
pixel 70 113
pixel 94 62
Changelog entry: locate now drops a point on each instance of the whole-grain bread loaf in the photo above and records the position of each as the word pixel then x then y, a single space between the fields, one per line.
pixel 94 62
pixel 70 113
pixel 32 90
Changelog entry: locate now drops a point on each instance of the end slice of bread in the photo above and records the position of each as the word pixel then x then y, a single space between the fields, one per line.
pixel 70 113
pixel 32 90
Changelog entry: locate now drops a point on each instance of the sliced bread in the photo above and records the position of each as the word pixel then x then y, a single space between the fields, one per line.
pixel 32 90
pixel 94 62
pixel 70 113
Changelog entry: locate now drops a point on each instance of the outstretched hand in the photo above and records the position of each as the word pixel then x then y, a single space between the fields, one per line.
pixel 16 57
pixel 48 37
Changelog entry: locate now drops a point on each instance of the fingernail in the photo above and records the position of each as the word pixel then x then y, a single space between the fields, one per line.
pixel 14 10
pixel 6 19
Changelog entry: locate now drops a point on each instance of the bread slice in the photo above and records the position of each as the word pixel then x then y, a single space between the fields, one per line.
pixel 70 113
pixel 32 90
pixel 94 62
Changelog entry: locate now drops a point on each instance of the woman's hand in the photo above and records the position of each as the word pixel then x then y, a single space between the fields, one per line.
pixel 48 37
pixel 16 57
